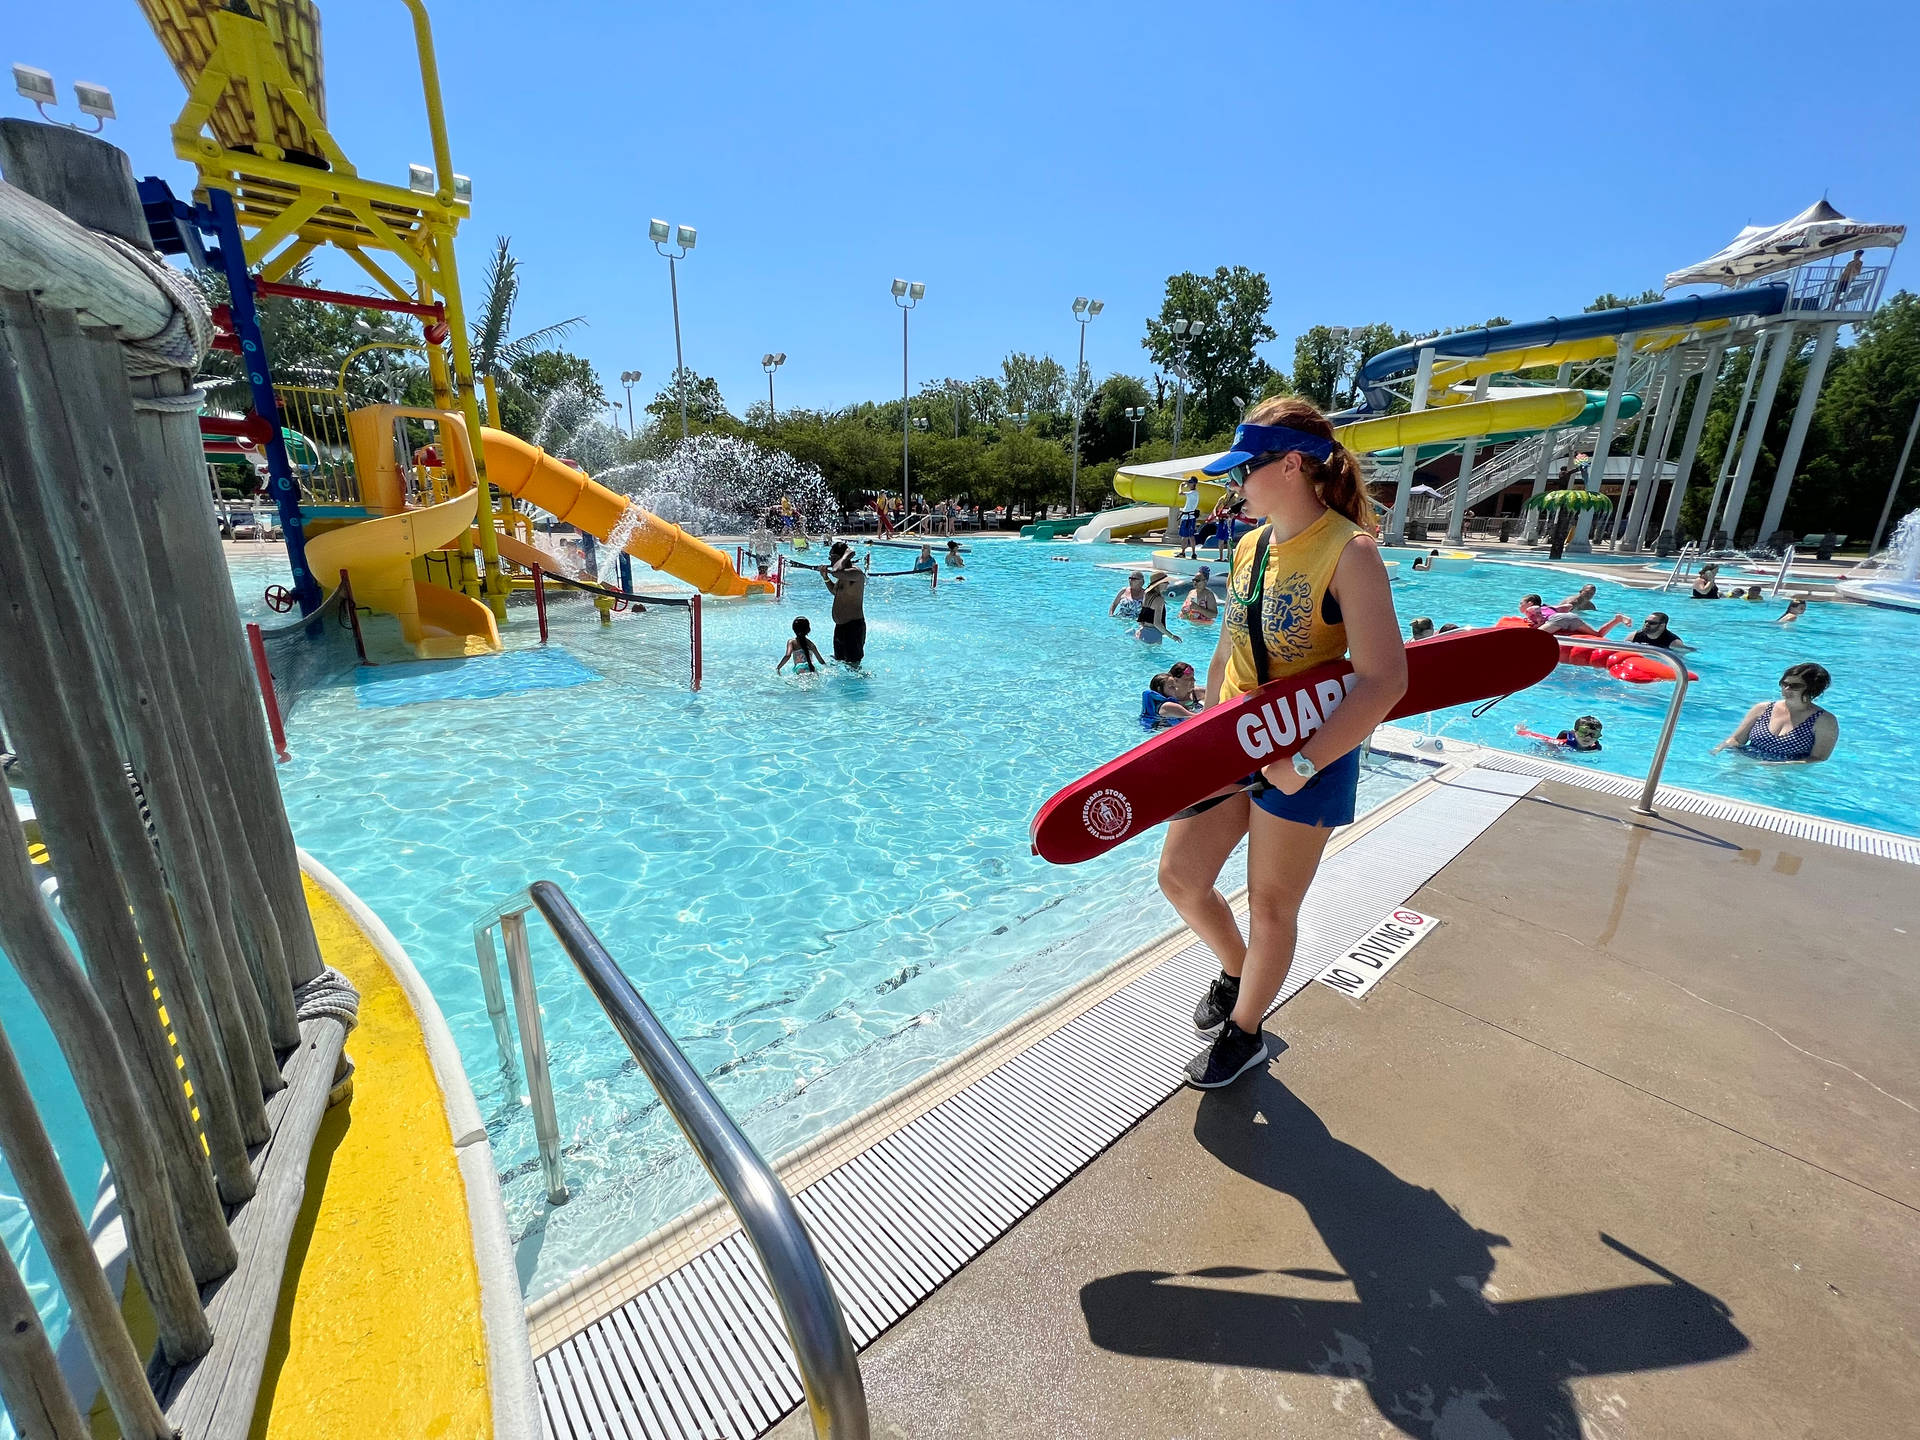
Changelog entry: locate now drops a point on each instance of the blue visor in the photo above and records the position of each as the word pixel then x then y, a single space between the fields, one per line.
pixel 1250 442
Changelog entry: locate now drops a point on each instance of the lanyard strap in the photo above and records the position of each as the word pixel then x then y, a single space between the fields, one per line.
pixel 1256 611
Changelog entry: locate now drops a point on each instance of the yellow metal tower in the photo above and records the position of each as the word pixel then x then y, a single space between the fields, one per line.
pixel 255 127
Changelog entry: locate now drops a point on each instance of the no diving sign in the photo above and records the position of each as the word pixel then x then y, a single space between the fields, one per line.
pixel 1360 968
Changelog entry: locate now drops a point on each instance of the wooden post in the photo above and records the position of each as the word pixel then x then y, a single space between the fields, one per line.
pixel 540 600
pixel 31 1386
pixel 94 832
pixel 177 928
pixel 240 894
pixel 86 1038
pixel 693 626
pixel 83 512
pixel 96 1311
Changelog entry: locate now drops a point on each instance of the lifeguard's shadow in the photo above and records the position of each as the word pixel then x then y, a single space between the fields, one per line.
pixel 1435 1355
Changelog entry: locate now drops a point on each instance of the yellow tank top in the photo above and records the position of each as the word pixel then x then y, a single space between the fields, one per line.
pixel 1299 636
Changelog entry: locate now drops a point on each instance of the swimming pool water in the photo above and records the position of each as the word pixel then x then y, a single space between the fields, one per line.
pixel 1739 657
pixel 821 883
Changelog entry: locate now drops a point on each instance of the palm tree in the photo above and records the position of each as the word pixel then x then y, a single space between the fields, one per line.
pixel 494 352
pixel 1564 505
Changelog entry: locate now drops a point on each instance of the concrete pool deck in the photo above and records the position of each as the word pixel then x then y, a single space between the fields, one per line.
pixel 1629 1146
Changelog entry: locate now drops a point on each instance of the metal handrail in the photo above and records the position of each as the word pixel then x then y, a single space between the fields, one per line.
pixel 1644 805
pixel 1681 558
pixel 1786 564
pixel 829 1368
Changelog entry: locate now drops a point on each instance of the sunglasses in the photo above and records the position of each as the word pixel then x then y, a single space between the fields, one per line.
pixel 1586 729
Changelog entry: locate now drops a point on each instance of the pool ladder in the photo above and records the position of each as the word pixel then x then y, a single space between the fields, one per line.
pixel 823 1350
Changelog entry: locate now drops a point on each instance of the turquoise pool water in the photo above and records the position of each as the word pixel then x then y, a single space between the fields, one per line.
pixel 1741 652
pixel 822 883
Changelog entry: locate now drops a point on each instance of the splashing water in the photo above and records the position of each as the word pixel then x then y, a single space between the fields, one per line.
pixel 1902 555
pixel 710 483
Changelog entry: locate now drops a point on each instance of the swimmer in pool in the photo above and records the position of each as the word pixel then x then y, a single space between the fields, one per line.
pixel 1796 607
pixel 801 650
pixel 1585 735
pixel 1558 622
pixel 954 562
pixel 1153 612
pixel 1791 730
pixel 1200 605
pixel 1126 604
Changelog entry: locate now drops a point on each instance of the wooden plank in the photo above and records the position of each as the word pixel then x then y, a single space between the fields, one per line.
pixel 64 265
pixel 214 1398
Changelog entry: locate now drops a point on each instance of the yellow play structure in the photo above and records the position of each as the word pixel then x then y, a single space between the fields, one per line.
pixel 414 527
pixel 413 557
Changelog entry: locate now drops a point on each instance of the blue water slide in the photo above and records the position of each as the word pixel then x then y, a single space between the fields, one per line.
pixel 1626 320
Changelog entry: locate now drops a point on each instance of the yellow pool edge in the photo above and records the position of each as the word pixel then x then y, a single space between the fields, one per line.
pixel 344 925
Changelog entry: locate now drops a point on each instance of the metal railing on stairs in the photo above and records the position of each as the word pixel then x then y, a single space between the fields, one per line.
pixel 810 1309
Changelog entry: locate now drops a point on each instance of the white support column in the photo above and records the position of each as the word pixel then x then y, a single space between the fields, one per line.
pixel 1548 444
pixel 1797 434
pixel 1756 432
pixel 1603 442
pixel 1690 445
pixel 1457 520
pixel 1410 454
pixel 1654 470
pixel 1731 455
pixel 1643 431
pixel 1652 446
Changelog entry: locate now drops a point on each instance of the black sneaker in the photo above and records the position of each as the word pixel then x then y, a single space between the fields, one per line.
pixel 1217 1004
pixel 1232 1055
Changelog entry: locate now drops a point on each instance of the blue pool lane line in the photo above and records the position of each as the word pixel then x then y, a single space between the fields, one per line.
pixel 480 677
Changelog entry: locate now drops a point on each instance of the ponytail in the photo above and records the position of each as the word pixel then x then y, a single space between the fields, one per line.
pixel 1337 479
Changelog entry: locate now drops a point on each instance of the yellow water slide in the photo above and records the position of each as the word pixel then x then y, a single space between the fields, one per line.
pixel 527 472
pixel 1472 419
pixel 378 557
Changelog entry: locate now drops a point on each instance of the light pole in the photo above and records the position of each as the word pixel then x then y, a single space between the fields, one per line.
pixel 629 378
pixel 906 294
pixel 771 362
pixel 1185 332
pixel 1135 413
pixel 954 391
pixel 682 238
pixel 1083 310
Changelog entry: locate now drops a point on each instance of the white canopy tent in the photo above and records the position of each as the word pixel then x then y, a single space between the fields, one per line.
pixel 1815 233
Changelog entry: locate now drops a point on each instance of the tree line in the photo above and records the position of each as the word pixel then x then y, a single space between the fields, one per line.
pixel 1005 438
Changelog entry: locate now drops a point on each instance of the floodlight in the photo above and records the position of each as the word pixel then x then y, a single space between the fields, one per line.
pixel 899 287
pixel 1196 327
pixel 1338 332
pixel 94 100
pixel 1094 307
pixel 659 231
pixel 780 357
pixel 420 178
pixel 685 235
pixel 1179 327
pixel 916 291
pixel 36 85
pixel 1080 305
pixel 463 189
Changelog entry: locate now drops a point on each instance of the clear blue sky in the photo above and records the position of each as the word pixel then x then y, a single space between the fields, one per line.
pixel 1423 164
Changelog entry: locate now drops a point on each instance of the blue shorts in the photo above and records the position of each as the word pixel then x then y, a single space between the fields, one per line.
pixel 1327 800
pixel 1189 523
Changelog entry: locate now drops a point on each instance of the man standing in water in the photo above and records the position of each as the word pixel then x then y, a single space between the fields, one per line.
pixel 848 582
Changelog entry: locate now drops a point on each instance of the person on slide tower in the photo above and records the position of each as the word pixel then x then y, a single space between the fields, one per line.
pixel 1307 586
